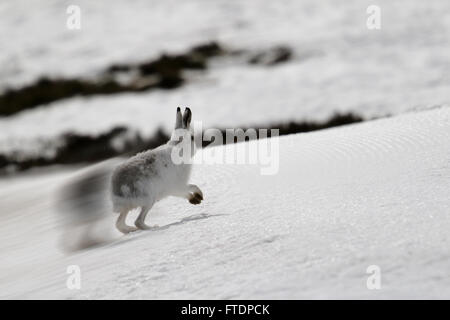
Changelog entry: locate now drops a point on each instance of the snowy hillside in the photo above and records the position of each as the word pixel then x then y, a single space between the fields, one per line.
pixel 344 199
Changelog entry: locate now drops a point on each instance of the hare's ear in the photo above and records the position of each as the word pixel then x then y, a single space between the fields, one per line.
pixel 179 121
pixel 187 116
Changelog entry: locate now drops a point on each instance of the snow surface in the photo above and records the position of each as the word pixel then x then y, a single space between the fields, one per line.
pixel 374 193
pixel 338 64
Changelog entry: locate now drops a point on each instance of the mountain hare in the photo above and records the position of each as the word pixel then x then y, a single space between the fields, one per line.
pixel 153 175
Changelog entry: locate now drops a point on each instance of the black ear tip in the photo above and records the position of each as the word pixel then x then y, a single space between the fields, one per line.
pixel 189 110
pixel 178 109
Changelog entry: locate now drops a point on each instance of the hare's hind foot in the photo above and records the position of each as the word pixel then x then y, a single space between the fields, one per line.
pixel 121 225
pixel 140 221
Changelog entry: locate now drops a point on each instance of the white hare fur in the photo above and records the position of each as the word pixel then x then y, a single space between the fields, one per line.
pixel 152 175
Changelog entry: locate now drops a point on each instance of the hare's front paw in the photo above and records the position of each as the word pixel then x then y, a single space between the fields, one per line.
pixel 195 195
pixel 195 198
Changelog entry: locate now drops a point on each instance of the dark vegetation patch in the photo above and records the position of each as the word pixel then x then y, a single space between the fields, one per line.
pixel 165 72
pixel 75 148
pixel 47 90
pixel 335 121
pixel 272 56
pixel 298 127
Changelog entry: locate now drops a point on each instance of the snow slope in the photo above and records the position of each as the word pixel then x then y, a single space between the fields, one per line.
pixel 375 193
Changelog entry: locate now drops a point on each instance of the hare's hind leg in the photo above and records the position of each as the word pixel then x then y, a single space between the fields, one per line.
pixel 121 225
pixel 140 221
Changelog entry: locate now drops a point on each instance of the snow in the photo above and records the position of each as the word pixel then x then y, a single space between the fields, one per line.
pixel 338 66
pixel 374 193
